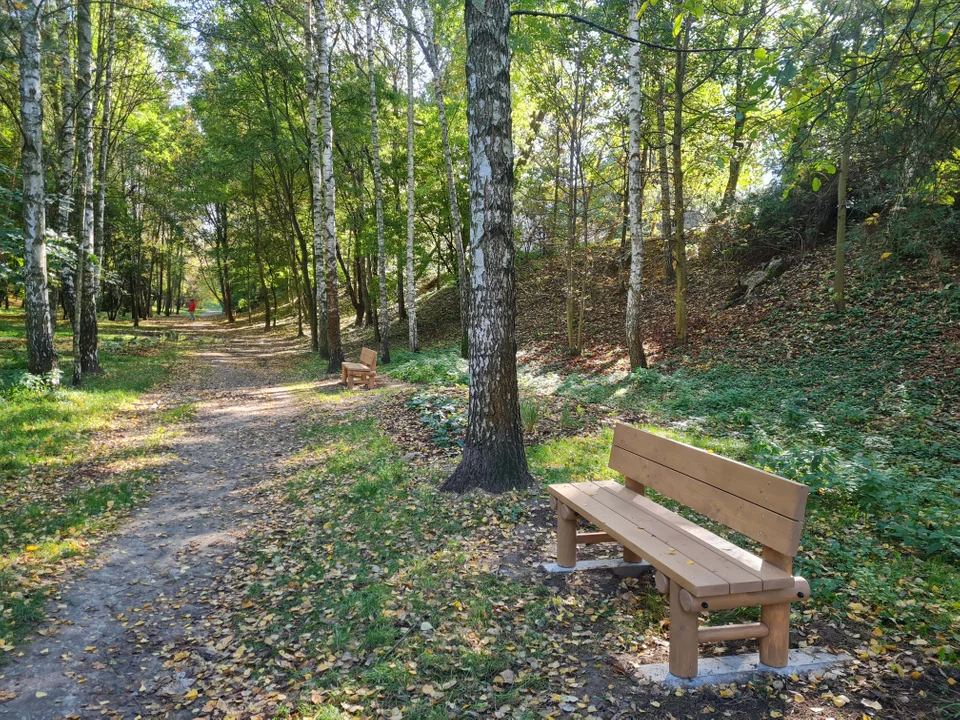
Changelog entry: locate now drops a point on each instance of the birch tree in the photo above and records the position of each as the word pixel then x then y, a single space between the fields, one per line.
pixel 635 199
pixel 41 355
pixel 682 43
pixel 67 140
pixel 383 316
pixel 493 454
pixel 411 287
pixel 89 330
pixel 429 48
pixel 85 147
pixel 316 184
pixel 329 192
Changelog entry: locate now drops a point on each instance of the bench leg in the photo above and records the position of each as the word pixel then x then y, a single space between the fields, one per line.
pixel 683 636
pixel 349 381
pixel 371 382
pixel 566 537
pixel 775 647
pixel 343 375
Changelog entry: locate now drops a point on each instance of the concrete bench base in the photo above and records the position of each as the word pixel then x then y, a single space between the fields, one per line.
pixel 740 668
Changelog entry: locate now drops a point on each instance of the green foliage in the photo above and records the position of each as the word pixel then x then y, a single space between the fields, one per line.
pixel 529 414
pixel 442 367
pixel 445 416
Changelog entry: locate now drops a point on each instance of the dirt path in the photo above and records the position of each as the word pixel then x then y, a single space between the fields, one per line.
pixel 100 655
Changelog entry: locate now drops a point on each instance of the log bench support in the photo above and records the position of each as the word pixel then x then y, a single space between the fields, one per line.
pixel 698 570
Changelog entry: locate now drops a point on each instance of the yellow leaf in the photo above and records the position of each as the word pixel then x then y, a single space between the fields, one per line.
pixel 840 700
pixel 32 548
pixel 191 695
pixel 885 256
pixel 41 694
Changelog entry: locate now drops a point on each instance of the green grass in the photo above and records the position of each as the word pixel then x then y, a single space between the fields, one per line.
pixel 49 508
pixel 441 367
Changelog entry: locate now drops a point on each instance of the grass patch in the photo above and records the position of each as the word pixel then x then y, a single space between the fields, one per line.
pixel 49 508
pixel 442 367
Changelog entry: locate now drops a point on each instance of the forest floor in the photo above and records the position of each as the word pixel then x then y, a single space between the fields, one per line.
pixel 291 556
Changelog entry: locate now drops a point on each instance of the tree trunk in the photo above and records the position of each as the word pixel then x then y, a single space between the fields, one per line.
pixel 666 226
pixel 430 53
pixel 682 42
pixel 85 146
pixel 41 355
pixel 411 285
pixel 67 141
pixel 89 328
pixel 635 202
pixel 839 275
pixel 573 177
pixel 223 258
pixel 316 186
pixel 329 193
pixel 383 315
pixel 257 242
pixel 493 454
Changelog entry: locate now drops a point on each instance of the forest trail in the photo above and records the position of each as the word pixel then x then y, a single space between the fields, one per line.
pixel 101 654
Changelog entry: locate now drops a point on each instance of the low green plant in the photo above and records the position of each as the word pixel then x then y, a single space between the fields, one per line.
pixel 445 416
pixel 529 414
pixel 442 368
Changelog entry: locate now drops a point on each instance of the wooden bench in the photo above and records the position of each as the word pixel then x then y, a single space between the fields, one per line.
pixel 699 570
pixel 365 371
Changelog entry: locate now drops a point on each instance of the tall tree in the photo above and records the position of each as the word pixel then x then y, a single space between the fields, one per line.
pixel 666 226
pixel 635 198
pixel 42 357
pixel 493 454
pixel 430 51
pixel 84 259
pixel 89 328
pixel 316 184
pixel 383 315
pixel 411 286
pixel 682 43
pixel 67 141
pixel 329 191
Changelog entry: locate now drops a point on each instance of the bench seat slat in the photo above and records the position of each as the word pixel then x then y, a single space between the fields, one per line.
pixel 688 573
pixel 772 578
pixel 356 367
pixel 741 580
pixel 767 527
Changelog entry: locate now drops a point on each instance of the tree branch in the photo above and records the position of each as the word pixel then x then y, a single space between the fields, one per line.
pixel 622 36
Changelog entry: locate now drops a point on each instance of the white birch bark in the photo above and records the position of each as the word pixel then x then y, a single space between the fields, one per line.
pixel 85 148
pixel 429 48
pixel 411 289
pixel 383 316
pixel 89 330
pixel 635 198
pixel 42 358
pixel 67 140
pixel 493 454
pixel 316 180
pixel 329 191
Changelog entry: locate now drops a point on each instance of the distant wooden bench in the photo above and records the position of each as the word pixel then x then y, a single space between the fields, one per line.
pixel 699 570
pixel 365 371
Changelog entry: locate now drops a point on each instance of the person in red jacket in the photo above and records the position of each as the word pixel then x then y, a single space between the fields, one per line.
pixel 192 309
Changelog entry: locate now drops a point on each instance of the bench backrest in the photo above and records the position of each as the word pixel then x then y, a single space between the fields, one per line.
pixel 369 358
pixel 764 507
